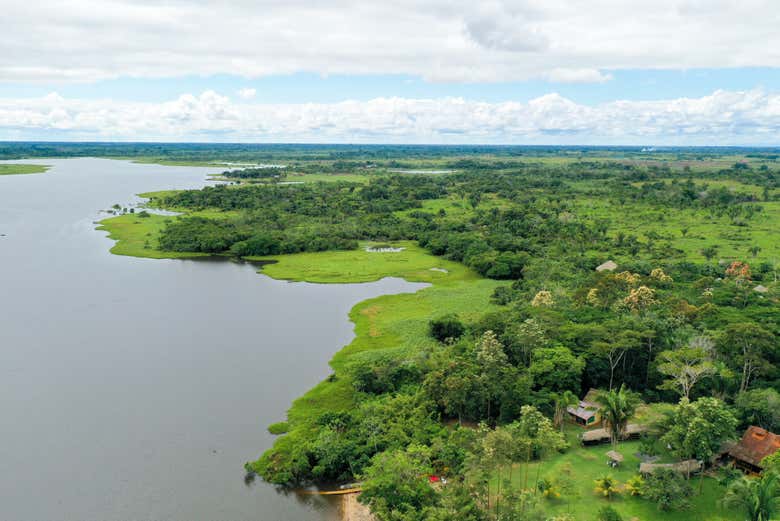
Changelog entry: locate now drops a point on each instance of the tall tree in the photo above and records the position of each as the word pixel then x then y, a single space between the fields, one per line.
pixel 614 349
pixel 686 366
pixel 749 347
pixel 698 429
pixel 617 407
pixel 396 483
pixel 493 362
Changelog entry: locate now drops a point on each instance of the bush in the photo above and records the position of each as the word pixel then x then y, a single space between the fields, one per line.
pixel 668 489
pixel 446 327
pixel 278 428
pixel 608 513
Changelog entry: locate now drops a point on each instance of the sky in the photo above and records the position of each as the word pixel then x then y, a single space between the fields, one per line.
pixel 585 72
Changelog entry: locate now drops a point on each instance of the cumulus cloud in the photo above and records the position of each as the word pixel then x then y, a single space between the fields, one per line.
pixel 440 40
pixel 247 93
pixel 724 117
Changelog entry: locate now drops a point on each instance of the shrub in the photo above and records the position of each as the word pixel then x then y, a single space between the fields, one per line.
pixel 446 327
pixel 608 513
pixel 668 489
pixel 278 428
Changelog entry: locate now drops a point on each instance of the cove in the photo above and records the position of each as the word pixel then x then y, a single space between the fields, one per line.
pixel 137 388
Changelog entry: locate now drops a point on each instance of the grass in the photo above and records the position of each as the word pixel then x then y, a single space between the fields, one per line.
pixel 19 169
pixel 702 229
pixel 413 264
pixel 395 324
pixel 585 464
pixel 138 236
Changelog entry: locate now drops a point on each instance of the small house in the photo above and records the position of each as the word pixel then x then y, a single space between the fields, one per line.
pixel 586 413
pixel 607 266
pixel 755 445
pixel 761 289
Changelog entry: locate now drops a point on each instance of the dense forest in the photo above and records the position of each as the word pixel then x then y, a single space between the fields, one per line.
pixel 692 333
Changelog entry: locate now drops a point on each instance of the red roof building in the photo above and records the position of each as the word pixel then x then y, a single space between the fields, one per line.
pixel 755 445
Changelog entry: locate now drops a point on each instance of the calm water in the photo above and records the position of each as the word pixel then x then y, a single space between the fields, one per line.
pixel 135 389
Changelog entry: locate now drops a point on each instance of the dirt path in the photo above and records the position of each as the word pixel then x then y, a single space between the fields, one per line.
pixel 352 510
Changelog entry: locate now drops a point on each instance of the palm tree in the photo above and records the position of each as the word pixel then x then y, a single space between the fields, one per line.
pixel 606 486
pixel 758 498
pixel 563 401
pixel 617 407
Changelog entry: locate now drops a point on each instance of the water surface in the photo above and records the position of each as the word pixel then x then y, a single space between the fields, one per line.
pixel 135 389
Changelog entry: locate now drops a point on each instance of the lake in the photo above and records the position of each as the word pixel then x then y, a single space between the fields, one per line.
pixel 135 389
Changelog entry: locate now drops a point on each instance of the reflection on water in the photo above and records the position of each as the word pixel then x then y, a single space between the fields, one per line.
pixel 138 387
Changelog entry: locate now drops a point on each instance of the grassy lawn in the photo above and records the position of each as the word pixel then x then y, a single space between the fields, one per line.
pixel 13 169
pixel 412 263
pixel 585 464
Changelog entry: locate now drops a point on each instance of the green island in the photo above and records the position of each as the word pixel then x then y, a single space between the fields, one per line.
pixel 589 314
pixel 21 169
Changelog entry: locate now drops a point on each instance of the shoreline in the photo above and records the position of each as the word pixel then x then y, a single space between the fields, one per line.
pixel 395 324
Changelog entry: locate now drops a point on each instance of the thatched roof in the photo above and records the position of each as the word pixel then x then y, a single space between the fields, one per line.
pixel 592 397
pixel 755 445
pixel 594 435
pixel 761 289
pixel 686 467
pixel 607 266
pixel 615 456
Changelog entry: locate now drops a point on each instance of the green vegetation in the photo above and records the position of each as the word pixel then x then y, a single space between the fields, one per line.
pixel 470 378
pixel 18 169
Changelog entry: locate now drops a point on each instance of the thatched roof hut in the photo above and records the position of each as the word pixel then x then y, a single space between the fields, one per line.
pixel 687 467
pixel 615 456
pixel 595 436
pixel 761 289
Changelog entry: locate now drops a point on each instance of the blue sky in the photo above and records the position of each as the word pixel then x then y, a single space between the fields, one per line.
pixel 436 71
pixel 317 88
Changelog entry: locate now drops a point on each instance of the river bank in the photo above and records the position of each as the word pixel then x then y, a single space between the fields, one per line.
pixel 395 325
pixel 354 510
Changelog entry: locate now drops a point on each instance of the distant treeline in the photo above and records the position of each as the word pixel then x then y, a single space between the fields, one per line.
pixel 304 152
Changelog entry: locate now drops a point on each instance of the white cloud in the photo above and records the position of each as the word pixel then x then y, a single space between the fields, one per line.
pixel 577 76
pixel 247 93
pixel 722 118
pixel 447 40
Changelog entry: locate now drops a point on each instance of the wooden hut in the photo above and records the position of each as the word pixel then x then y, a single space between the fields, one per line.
pixel 586 413
pixel 755 445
